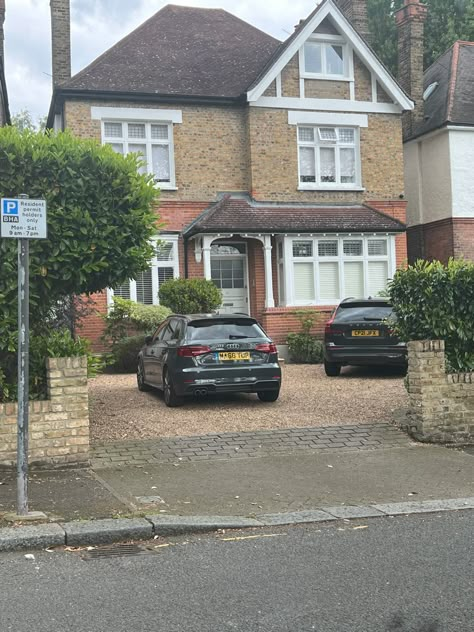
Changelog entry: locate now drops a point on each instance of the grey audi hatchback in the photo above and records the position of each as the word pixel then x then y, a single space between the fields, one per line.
pixel 201 354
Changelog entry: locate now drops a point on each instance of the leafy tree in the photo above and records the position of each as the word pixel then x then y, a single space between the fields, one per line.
pixel 190 296
pixel 23 120
pixel 447 21
pixel 100 222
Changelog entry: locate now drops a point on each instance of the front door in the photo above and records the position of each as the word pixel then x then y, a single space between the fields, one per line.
pixel 229 273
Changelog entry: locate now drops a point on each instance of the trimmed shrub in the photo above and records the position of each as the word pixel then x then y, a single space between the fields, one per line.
pixel 125 353
pixel 433 301
pixel 190 296
pixel 305 348
pixel 127 318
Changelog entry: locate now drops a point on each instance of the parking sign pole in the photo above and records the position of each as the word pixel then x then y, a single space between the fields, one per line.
pixel 23 373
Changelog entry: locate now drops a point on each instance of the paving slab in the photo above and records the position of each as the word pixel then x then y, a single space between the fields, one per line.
pixel 31 537
pixel 299 482
pixel 93 532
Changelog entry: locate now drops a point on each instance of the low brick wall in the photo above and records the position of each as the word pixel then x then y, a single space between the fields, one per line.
pixel 59 426
pixel 441 405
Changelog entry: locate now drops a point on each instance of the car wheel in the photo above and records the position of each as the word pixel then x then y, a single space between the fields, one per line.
pixel 169 394
pixel 142 385
pixel 332 369
pixel 268 396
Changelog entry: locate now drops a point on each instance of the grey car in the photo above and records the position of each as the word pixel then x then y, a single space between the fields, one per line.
pixel 201 354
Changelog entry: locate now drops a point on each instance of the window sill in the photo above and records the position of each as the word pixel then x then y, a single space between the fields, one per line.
pixel 165 188
pixel 334 188
pixel 306 75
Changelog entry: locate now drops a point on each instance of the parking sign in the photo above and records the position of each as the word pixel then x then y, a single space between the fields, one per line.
pixel 23 219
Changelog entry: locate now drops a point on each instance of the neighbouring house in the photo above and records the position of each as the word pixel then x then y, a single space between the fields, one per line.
pixel 439 158
pixel 4 111
pixel 280 165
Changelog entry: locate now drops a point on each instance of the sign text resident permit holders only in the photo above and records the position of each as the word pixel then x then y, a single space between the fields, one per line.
pixel 23 218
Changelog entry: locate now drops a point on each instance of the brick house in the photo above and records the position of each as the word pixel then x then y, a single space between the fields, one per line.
pixel 280 165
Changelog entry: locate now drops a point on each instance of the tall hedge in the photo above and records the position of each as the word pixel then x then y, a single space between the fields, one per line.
pixel 100 222
pixel 190 296
pixel 436 301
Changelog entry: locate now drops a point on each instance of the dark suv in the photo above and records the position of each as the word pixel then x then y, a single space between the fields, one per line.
pixel 359 333
pixel 209 353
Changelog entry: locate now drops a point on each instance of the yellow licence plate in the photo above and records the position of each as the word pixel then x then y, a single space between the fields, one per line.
pixel 369 333
pixel 234 355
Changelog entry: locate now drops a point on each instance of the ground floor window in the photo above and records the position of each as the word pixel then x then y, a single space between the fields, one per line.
pixel 165 265
pixel 324 270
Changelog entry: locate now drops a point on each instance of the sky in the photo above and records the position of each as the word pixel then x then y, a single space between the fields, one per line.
pixel 99 24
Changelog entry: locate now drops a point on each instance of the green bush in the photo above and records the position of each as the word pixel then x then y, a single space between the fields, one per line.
pixel 56 344
pixel 125 353
pixel 433 301
pixel 127 317
pixel 190 296
pixel 305 348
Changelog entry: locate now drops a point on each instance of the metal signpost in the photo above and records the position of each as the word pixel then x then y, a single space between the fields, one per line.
pixel 23 219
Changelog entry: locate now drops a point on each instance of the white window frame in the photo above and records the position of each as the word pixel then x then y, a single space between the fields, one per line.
pixel 155 265
pixel 325 41
pixel 316 145
pixel 289 260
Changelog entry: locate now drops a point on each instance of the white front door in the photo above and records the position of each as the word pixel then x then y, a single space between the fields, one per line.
pixel 229 273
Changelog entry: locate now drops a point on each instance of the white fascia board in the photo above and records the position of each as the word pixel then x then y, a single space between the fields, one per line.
pixel 137 114
pixel 358 44
pixel 298 117
pixel 327 105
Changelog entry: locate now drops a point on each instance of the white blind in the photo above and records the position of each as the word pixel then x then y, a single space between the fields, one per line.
pixel 307 166
pixel 304 281
pixel 329 280
pixel 123 290
pixel 164 274
pixel 377 275
pixel 161 162
pixel 145 288
pixel 354 279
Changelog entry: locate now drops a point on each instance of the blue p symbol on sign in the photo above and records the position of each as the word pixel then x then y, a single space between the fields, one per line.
pixel 10 207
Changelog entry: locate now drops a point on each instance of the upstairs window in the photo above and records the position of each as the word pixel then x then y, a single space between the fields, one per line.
pixel 324 60
pixel 152 141
pixel 328 157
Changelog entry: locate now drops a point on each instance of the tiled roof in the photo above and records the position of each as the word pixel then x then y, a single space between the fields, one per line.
pixel 182 51
pixel 453 99
pixel 241 215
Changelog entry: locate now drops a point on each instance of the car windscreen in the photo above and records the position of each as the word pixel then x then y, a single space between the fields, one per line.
pixel 228 329
pixel 360 313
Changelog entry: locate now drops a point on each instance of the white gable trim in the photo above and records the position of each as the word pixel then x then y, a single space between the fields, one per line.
pixel 136 114
pixel 327 118
pixel 357 43
pixel 327 105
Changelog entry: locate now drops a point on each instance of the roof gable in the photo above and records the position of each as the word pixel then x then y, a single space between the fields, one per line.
pixel 323 12
pixel 182 51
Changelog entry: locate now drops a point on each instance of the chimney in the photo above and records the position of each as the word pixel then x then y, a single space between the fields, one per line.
pixel 356 12
pixel 61 40
pixel 2 35
pixel 411 24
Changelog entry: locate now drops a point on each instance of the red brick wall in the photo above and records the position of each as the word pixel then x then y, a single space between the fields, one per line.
pixel 92 327
pixel 278 322
pixel 451 237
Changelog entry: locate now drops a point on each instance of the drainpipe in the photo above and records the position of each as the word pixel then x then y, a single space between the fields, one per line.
pixel 185 241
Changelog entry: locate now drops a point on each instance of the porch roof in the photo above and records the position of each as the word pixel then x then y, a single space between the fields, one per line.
pixel 242 215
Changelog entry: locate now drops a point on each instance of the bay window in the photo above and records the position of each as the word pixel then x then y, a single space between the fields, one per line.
pixel 325 270
pixel 328 157
pixel 164 266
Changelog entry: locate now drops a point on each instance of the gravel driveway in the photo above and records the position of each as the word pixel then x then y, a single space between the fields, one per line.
pixel 308 398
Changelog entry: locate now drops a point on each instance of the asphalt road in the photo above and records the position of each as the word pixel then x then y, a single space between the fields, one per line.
pixel 405 574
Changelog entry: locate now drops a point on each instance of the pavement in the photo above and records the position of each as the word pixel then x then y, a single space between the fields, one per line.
pixel 234 480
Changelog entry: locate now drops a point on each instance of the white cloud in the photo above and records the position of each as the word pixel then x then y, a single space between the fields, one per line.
pixel 99 24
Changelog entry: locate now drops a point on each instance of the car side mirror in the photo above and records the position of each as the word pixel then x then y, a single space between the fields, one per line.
pixel 148 340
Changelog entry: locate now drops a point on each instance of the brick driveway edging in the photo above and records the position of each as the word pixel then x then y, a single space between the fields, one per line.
pixel 244 445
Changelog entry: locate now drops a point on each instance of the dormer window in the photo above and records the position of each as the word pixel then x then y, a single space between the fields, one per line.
pixel 324 59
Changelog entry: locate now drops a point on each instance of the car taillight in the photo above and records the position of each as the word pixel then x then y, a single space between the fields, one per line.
pixel 193 350
pixel 331 330
pixel 266 347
